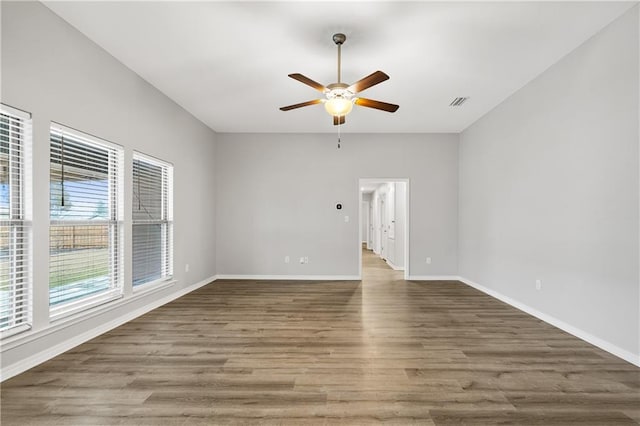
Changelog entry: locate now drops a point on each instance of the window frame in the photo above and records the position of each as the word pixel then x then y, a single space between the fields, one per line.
pixel 19 222
pixel 114 223
pixel 166 221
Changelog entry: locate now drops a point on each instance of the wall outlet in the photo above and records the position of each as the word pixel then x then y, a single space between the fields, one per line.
pixel 186 267
pixel 428 261
pixel 287 259
pixel 538 284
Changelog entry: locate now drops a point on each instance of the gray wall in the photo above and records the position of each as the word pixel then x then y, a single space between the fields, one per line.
pixel 549 190
pixel 276 196
pixel 57 74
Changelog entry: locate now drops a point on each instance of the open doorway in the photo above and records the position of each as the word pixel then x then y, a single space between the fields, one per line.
pixel 384 224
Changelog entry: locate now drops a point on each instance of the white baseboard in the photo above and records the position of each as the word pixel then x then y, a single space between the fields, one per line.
pixel 434 278
pixel 394 266
pixel 289 277
pixel 47 354
pixel 581 334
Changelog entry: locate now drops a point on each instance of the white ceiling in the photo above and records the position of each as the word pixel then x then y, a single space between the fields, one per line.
pixel 227 62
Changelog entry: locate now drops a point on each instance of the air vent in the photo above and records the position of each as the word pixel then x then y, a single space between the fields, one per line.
pixel 458 102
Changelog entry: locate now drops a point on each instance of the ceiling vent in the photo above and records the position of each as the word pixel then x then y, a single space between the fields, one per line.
pixel 458 102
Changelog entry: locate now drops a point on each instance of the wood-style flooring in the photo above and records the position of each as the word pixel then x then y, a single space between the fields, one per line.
pixel 379 350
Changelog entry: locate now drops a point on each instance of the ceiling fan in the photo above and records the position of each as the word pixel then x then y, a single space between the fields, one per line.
pixel 340 97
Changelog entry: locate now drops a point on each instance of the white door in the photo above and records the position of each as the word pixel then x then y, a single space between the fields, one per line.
pixel 383 228
pixel 364 220
pixel 371 228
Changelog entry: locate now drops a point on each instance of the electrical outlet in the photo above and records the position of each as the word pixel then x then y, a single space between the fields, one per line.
pixel 186 267
pixel 538 285
pixel 287 259
pixel 428 261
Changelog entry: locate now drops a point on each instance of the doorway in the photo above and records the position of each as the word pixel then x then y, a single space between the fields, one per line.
pixel 384 222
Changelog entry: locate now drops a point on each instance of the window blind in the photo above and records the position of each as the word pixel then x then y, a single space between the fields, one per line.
pixel 15 306
pixel 152 220
pixel 86 220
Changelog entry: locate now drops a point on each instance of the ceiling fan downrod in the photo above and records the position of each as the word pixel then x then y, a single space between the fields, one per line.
pixel 339 40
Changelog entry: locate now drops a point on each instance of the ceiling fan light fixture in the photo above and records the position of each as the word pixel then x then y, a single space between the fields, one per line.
pixel 338 106
pixel 340 96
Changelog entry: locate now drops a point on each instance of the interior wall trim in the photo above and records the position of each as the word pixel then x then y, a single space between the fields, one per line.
pixel 575 331
pixel 289 277
pixel 434 278
pixel 51 352
pixel 394 266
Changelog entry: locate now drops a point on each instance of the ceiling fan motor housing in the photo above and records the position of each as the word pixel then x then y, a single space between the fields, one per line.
pixel 339 38
pixel 340 90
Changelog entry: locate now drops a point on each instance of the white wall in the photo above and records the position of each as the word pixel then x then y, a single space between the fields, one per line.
pixel 375 215
pixel 364 218
pixel 549 191
pixel 57 74
pixel 400 200
pixel 276 196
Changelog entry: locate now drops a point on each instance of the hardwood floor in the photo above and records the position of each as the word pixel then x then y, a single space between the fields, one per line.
pixel 380 350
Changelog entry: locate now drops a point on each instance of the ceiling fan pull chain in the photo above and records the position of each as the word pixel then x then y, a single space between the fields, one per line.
pixel 339 136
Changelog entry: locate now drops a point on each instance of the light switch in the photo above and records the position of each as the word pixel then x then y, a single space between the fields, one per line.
pixel 346 218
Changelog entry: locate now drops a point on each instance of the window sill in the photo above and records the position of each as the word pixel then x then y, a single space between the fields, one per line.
pixel 14 331
pixel 64 321
pixel 153 286
pixel 77 309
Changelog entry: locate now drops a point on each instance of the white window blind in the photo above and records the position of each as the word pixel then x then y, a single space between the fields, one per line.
pixel 86 215
pixel 15 297
pixel 152 220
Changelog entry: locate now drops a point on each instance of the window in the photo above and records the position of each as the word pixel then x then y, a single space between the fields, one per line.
pixel 15 298
pixel 85 236
pixel 152 220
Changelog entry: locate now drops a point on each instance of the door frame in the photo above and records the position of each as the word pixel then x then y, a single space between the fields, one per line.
pixel 367 221
pixel 407 223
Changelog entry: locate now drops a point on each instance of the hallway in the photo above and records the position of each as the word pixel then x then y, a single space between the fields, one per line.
pixel 374 268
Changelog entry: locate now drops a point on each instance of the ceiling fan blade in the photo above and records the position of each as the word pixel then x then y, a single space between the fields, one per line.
pixel 300 105
pixel 370 103
pixel 338 120
pixel 306 80
pixel 370 80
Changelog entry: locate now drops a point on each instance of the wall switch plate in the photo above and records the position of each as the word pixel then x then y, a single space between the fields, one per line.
pixel 306 259
pixel 538 284
pixel 286 259
pixel 186 267
pixel 428 261
pixel 346 218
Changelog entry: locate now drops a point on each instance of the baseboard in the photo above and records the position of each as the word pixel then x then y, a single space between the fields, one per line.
pixel 394 266
pixel 288 277
pixel 434 278
pixel 47 354
pixel 581 334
